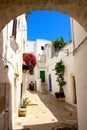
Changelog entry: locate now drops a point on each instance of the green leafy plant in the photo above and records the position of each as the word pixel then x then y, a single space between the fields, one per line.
pixel 23 103
pixel 60 69
pixel 58 44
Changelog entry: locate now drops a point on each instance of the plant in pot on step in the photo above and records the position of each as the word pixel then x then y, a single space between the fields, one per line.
pixel 60 69
pixel 22 107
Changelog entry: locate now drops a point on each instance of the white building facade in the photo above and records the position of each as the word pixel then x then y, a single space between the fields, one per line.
pixel 74 58
pixel 12 40
pixel 80 63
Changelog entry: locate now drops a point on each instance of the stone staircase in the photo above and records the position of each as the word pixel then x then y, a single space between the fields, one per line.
pixel 44 88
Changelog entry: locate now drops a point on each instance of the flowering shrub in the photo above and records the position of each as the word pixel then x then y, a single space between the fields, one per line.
pixel 29 59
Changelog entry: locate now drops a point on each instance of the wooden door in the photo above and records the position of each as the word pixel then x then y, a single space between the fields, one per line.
pixel 42 76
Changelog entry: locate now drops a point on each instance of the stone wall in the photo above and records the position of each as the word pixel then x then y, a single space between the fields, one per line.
pixel 10 9
pixel 4 106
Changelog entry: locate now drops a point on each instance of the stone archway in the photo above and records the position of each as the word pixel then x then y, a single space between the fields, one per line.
pixel 10 9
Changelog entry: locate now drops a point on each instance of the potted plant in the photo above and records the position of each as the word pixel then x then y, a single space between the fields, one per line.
pixel 60 69
pixel 22 107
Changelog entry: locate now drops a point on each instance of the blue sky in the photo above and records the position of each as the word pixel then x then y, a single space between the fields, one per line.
pixel 48 25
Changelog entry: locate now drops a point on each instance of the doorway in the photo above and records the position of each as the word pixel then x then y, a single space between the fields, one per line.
pixel 4 105
pixel 42 76
pixel 74 90
pixel 50 83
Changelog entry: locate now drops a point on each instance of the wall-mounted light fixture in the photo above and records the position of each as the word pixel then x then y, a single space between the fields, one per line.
pixel 66 51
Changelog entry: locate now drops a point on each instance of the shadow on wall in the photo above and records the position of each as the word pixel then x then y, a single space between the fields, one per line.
pixel 5 88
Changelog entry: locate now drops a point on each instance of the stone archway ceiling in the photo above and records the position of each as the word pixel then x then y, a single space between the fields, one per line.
pixel 9 9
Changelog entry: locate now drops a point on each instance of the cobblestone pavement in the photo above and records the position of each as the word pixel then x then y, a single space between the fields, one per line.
pixel 46 113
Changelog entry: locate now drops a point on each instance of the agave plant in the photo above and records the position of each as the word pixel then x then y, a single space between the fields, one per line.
pixel 23 103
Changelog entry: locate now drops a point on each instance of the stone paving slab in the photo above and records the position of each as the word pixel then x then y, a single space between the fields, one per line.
pixel 46 113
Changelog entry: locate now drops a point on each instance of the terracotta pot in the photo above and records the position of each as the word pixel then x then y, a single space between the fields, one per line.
pixel 22 112
pixel 61 99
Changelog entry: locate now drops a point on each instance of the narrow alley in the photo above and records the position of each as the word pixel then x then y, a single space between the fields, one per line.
pixel 46 113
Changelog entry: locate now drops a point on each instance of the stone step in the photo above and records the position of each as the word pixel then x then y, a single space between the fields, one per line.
pixel 44 88
pixel 49 128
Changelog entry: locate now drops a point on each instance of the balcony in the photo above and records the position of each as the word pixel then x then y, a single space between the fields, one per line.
pixel 27 68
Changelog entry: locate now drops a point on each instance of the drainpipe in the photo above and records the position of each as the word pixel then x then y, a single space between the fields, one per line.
pixel 73 36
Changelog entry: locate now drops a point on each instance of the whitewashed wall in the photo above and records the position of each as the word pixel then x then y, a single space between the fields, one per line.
pixel 30 46
pixel 69 69
pixel 12 58
pixel 78 32
pixel 40 66
pixel 81 82
pixel 80 63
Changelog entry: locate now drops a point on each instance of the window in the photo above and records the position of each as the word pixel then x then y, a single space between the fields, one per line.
pixel 42 47
pixel 14 27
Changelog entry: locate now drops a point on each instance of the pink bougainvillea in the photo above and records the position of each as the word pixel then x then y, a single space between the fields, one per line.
pixel 29 59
